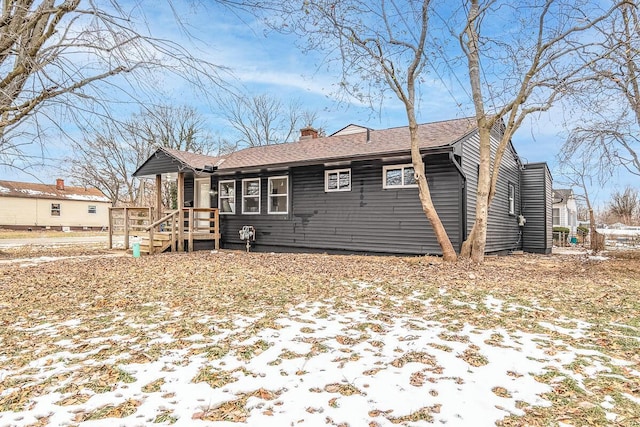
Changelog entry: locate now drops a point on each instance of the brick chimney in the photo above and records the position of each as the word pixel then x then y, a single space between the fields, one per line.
pixel 60 184
pixel 308 133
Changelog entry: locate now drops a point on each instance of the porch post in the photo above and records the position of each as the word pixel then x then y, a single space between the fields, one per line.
pixel 159 213
pixel 180 212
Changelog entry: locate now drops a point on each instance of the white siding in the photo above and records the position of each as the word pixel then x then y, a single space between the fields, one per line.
pixel 16 211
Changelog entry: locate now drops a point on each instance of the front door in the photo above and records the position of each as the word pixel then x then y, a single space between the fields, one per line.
pixel 202 200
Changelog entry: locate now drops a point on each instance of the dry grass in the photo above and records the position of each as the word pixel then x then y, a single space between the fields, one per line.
pixel 38 234
pixel 102 292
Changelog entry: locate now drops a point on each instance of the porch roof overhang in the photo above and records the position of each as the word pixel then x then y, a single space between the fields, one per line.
pixel 169 161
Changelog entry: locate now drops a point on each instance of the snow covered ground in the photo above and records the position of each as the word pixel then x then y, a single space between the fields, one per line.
pixel 313 365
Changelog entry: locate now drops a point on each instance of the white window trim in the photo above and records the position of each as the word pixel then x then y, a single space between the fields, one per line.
pixel 59 210
pixel 285 195
pixel 95 209
pixel 244 196
pixel 511 198
pixel 336 171
pixel 402 168
pixel 221 197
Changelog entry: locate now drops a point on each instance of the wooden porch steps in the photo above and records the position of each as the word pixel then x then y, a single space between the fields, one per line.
pixel 161 242
pixel 178 229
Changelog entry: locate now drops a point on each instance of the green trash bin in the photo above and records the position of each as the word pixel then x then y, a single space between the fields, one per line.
pixel 135 248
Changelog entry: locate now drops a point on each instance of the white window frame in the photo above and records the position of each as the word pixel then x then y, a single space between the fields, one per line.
pixel 270 196
pixel 92 209
pixel 401 168
pixel 553 217
pixel 336 172
pixel 58 209
pixel 245 197
pixel 230 198
pixel 511 197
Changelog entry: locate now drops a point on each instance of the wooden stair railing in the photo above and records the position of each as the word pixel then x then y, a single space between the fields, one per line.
pixel 162 241
pixel 171 231
pixel 128 222
pixel 194 229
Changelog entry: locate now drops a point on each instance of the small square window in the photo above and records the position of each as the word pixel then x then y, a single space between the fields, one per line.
pixel 92 209
pixel 55 209
pixel 337 180
pixel 398 176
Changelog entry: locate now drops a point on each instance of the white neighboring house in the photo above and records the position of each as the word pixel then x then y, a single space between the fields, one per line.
pixel 565 210
pixel 26 205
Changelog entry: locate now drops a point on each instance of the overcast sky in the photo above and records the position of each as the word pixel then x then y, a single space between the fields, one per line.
pixel 265 62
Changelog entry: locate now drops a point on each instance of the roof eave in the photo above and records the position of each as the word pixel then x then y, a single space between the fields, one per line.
pixel 183 164
pixel 287 165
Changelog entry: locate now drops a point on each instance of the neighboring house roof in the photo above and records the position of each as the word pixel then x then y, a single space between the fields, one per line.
pixel 44 191
pixel 351 128
pixel 561 195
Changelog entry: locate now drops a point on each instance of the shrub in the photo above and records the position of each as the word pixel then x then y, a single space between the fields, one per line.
pixel 561 230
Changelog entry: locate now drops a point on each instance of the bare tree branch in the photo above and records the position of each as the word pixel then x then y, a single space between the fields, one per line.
pixel 78 59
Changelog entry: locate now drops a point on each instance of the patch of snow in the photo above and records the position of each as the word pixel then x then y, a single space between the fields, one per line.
pixel 398 363
pixel 575 333
pixel 459 303
pixel 194 337
pixel 632 398
pixel 608 403
pixel 493 304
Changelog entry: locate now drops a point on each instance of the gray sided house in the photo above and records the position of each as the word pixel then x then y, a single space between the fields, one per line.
pixel 354 191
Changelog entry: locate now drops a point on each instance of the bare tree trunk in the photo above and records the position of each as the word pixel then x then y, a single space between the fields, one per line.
pixel 448 253
pixel 474 246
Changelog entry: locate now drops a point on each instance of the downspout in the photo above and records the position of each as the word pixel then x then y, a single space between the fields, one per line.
pixel 521 192
pixel 463 225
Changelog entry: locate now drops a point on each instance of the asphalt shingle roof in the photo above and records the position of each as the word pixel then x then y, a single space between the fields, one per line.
pixel 44 191
pixel 193 160
pixel 381 142
pixel 337 147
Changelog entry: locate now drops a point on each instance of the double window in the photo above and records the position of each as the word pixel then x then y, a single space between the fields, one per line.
pixel 227 197
pixel 337 180
pixel 398 176
pixel 278 195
